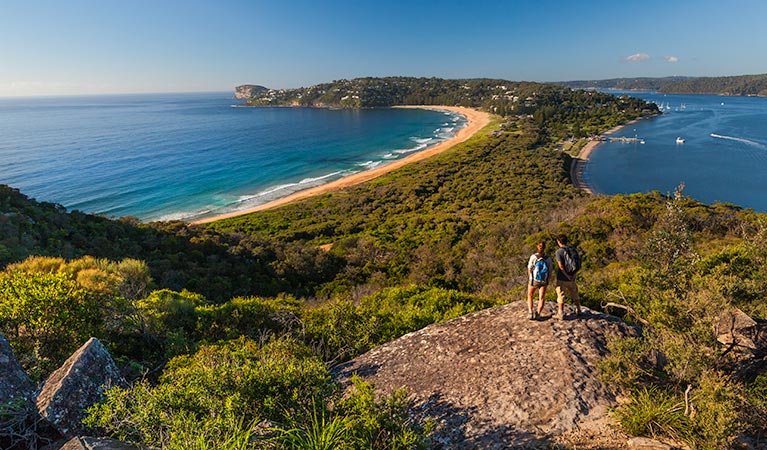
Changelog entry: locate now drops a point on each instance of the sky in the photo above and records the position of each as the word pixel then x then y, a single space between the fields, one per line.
pixel 77 47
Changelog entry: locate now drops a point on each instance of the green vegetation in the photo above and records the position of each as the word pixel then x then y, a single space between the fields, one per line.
pixel 736 85
pixel 563 111
pixel 739 85
pixel 625 84
pixel 227 330
pixel 221 395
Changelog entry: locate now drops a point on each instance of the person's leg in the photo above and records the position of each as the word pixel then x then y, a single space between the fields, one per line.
pixel 560 299
pixel 541 299
pixel 576 298
pixel 530 291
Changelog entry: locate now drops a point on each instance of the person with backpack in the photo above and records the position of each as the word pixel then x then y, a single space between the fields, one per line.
pixel 539 269
pixel 569 263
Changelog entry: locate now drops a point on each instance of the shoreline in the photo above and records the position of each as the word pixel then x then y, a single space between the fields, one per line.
pixel 579 161
pixel 475 120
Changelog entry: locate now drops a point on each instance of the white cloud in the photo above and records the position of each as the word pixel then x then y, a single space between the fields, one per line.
pixel 638 57
pixel 671 59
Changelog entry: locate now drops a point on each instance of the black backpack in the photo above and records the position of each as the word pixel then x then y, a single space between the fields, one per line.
pixel 571 260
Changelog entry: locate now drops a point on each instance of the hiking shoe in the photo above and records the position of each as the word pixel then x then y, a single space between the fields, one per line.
pixel 532 315
pixel 578 312
pixel 559 315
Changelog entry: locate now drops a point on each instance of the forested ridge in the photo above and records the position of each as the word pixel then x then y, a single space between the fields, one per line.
pixel 733 85
pixel 224 326
pixel 501 97
pixel 738 85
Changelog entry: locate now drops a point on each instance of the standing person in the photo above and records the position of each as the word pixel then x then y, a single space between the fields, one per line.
pixel 539 269
pixel 569 263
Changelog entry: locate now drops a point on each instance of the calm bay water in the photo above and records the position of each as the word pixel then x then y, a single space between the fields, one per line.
pixel 168 156
pixel 723 158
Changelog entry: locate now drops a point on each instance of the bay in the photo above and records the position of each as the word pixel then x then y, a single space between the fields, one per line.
pixel 723 157
pixel 183 156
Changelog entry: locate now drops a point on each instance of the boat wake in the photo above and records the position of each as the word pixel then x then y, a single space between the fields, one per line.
pixel 742 140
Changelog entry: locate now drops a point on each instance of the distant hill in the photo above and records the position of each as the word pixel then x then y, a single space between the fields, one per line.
pixel 372 92
pixel 736 85
pixel 739 85
pixel 569 112
pixel 626 84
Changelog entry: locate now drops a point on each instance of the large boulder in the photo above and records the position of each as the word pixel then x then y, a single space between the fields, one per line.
pixel 91 443
pixel 14 382
pixel 495 379
pixel 738 330
pixel 77 385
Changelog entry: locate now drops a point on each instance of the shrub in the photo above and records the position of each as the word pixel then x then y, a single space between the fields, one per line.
pixel 381 423
pixel 230 384
pixel 347 329
pixel 654 412
pixel 47 316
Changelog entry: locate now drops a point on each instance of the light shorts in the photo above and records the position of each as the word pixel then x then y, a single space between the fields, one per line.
pixel 568 287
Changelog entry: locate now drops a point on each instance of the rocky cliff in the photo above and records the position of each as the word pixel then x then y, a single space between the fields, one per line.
pixel 495 379
pixel 248 91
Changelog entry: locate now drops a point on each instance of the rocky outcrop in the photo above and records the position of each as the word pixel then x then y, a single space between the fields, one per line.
pixel 14 382
pixel 643 443
pixel 77 385
pixel 248 91
pixel 737 329
pixel 495 379
pixel 90 443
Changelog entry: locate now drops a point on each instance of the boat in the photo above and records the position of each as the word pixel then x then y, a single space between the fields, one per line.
pixel 680 140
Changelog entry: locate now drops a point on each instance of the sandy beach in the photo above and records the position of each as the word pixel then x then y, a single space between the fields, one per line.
pixel 579 162
pixel 476 120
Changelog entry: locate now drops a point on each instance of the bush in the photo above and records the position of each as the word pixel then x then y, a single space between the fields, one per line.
pixel 46 317
pixel 232 384
pixel 382 423
pixel 653 412
pixel 347 329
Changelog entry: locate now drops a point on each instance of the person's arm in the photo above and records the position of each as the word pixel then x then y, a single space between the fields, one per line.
pixel 564 272
pixel 530 263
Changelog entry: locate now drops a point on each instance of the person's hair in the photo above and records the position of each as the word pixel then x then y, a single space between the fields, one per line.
pixel 542 244
pixel 562 238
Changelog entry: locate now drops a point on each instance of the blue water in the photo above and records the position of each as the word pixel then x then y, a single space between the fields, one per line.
pixel 724 157
pixel 183 156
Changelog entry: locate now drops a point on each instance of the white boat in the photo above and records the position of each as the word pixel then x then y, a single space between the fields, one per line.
pixel 679 140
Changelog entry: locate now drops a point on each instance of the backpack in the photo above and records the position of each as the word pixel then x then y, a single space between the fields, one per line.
pixel 571 260
pixel 540 272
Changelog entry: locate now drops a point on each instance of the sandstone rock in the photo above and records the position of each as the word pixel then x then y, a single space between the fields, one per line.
pixel 14 382
pixel 643 443
pixel 737 328
pixel 77 385
pixel 90 443
pixel 495 379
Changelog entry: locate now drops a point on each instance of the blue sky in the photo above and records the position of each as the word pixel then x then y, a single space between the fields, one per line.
pixel 108 46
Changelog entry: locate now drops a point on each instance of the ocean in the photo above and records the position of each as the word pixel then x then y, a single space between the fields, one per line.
pixel 723 157
pixel 187 156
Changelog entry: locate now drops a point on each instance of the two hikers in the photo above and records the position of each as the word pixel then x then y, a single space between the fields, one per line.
pixel 568 264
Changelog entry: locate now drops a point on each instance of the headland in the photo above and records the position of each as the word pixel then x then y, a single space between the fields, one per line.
pixel 476 120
